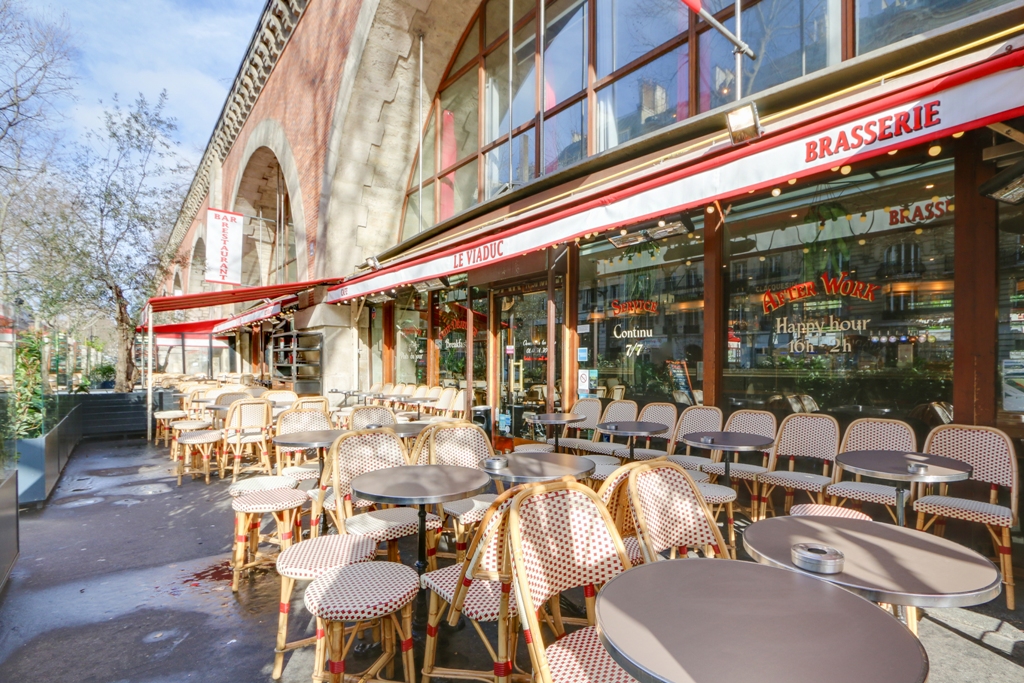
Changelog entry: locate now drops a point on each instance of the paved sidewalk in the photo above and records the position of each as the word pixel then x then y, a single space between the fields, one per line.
pixel 124 577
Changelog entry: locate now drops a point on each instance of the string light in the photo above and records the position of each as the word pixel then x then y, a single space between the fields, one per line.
pixel 711 208
pixel 934 150
pixel 776 192
pixel 845 170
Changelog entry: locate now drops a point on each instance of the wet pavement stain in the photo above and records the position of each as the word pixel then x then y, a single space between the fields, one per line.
pixel 218 572
pixel 77 502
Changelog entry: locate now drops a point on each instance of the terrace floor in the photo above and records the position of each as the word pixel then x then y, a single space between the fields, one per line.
pixel 124 577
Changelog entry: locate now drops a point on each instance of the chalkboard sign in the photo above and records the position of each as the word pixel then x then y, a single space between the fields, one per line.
pixel 681 378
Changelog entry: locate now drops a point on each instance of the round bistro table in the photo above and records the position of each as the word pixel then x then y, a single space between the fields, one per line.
pixel 633 429
pixel 728 441
pixel 555 419
pixel 419 401
pixel 526 467
pixel 318 439
pixel 726 621
pixel 892 465
pixel 883 563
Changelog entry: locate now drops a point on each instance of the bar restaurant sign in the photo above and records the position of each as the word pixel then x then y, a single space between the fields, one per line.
pixel 223 247
pixel 843 285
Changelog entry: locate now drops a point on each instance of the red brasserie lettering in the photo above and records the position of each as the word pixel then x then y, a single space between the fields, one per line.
pixel 931 114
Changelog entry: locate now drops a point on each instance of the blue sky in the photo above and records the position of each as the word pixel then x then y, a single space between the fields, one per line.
pixel 188 47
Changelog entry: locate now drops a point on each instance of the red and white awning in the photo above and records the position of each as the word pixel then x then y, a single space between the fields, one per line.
pixel 263 312
pixel 946 103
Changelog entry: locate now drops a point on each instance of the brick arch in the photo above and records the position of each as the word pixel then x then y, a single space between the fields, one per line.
pixel 268 141
pixel 196 281
pixel 375 127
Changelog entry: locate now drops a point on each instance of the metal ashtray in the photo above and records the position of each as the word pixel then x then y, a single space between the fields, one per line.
pixel 820 559
pixel 374 426
pixel 707 439
pixel 613 428
pixel 498 462
pixel 917 468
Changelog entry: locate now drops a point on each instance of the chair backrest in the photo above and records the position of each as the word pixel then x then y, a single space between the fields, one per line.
pixel 561 537
pixel 615 496
pixel 409 390
pixel 759 422
pixel 590 408
pixel 602 392
pixel 807 435
pixel 458 405
pixel 420 391
pixel 698 419
pixel 872 433
pixel 214 393
pixel 397 389
pixel 461 444
pixel 987 450
pixel 302 420
pixel 280 395
pixel 809 404
pixel 444 400
pixel 662 413
pixel 388 388
pixel 256 391
pixel 698 396
pixel 312 403
pixel 361 451
pixel 670 511
pixel 434 392
pixel 249 414
pixel 230 397
pixel 618 392
pixel 363 416
pixel 617 411
pixel 374 388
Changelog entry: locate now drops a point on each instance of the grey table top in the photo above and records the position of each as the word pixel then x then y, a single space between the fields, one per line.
pixel 322 438
pixel 892 465
pixel 407 430
pixel 418 399
pixel 729 441
pixel 420 484
pixel 524 467
pixel 884 562
pixel 633 428
pixel 555 418
pixel 726 621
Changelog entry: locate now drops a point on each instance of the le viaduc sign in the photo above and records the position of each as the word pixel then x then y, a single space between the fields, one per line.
pixel 842 285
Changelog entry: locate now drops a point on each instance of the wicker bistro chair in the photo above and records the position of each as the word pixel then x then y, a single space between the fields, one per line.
pixel 589 408
pixel 246 428
pixel 617 411
pixel 801 435
pixel 480 590
pixel 443 402
pixel 163 419
pixel 279 395
pixel 195 449
pixel 226 399
pixel 178 427
pixel 670 513
pixel 692 419
pixel 463 445
pixel 661 413
pixel 759 422
pixel 363 416
pixel 357 594
pixel 284 504
pixel 990 453
pixel 312 403
pixel 614 494
pixel 256 391
pixel 297 420
pixel 195 410
pixel 871 434
pixel 356 453
pixel 562 537
pixel 305 561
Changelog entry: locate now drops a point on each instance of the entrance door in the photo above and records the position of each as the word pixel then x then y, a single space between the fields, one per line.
pixel 524 359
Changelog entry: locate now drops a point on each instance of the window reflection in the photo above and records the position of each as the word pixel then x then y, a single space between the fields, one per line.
pixel 565 137
pixel 565 51
pixel 524 99
pixel 459 120
pixel 458 191
pixel 629 29
pixel 882 22
pixel 523 168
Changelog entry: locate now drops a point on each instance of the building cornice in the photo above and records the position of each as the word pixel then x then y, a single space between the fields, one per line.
pixel 275 27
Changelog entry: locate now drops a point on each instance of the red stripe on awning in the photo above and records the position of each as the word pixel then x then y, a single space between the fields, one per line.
pixel 202 327
pixel 234 296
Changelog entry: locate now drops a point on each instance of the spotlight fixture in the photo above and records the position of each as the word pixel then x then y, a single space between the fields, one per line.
pixel 431 285
pixel 372 263
pixel 744 124
pixel 1007 186
pixel 379 298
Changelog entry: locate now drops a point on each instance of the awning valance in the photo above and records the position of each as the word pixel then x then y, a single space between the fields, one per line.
pixel 234 296
pixel 268 310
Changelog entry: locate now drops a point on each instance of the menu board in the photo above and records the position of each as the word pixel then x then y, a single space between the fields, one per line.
pixel 681 378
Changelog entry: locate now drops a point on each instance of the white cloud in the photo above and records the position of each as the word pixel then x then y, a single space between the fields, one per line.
pixel 188 47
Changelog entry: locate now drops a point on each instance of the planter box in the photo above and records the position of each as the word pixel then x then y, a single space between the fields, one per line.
pixel 9 545
pixel 41 460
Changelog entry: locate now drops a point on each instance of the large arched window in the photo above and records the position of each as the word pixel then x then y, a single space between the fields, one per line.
pixel 269 242
pixel 589 75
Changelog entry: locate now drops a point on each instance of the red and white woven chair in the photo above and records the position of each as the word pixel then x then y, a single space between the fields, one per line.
pixel 247 432
pixel 225 399
pixel 359 593
pixel 562 537
pixel 588 408
pixel 463 445
pixel 364 416
pixel 801 435
pixel 480 590
pixel 871 434
pixel 268 483
pixel 615 496
pixel 284 504
pixel 617 411
pixel 535 448
pixel 990 453
pixel 163 419
pixel 759 422
pixel 815 510
pixel 305 561
pixel 670 512
pixel 692 419
pixel 297 420
pixel 178 427
pixel 279 396
pixel 356 453
pixel 661 413
pixel 194 452
pixel 442 404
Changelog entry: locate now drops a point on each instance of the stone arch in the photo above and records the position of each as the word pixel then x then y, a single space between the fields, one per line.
pixel 197 268
pixel 267 148
pixel 375 126
pixel 176 287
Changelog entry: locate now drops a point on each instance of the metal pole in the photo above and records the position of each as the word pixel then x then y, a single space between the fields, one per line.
pixel 717 25
pixel 738 51
pixel 542 89
pixel 420 154
pixel 511 62
pixel 149 373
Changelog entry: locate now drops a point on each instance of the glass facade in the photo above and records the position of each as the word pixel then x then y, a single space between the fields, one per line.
pixel 641 315
pixel 841 294
pixel 411 337
pixel 1010 352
